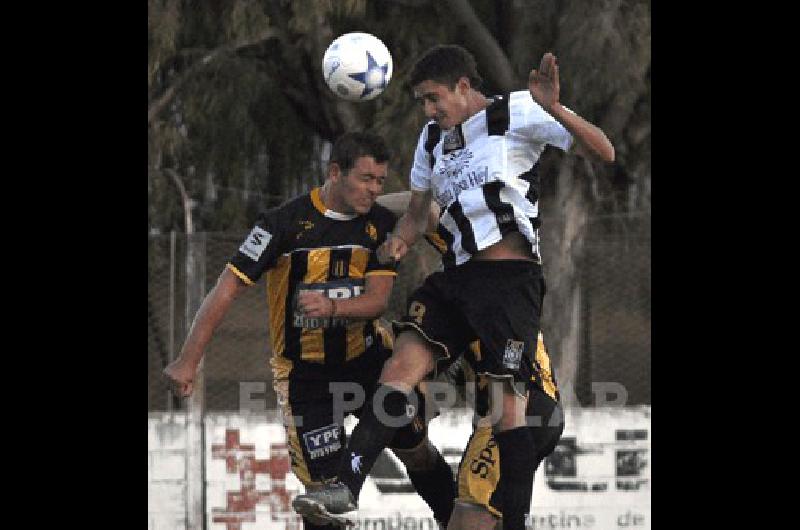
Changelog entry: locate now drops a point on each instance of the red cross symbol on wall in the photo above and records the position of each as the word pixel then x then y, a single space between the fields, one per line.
pixel 241 505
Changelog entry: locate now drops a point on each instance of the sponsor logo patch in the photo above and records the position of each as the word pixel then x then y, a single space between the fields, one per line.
pixel 453 140
pixel 417 424
pixel 255 243
pixel 323 441
pixel 304 227
pixel 355 463
pixel 340 289
pixel 372 232
pixel 513 354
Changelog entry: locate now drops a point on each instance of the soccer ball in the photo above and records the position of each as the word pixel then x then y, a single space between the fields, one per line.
pixel 357 66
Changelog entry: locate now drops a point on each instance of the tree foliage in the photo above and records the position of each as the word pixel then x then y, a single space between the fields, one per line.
pixel 238 109
pixel 236 92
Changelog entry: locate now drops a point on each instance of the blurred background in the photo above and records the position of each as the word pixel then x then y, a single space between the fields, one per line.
pixel 239 119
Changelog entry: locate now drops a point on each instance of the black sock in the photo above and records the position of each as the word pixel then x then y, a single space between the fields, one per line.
pixel 370 437
pixel 517 465
pixel 436 486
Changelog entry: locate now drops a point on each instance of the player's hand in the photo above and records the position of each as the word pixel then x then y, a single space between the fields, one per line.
pixel 543 83
pixel 314 304
pixel 180 377
pixel 393 249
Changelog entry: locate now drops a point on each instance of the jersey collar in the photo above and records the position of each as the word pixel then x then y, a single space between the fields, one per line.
pixel 316 199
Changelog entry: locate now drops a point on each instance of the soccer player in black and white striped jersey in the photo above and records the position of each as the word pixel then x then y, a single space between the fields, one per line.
pixel 477 158
pixel 479 500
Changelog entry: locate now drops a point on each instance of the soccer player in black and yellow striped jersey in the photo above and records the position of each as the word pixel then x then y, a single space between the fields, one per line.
pixel 326 291
pixel 479 504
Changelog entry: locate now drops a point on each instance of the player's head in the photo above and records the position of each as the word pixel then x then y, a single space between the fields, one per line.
pixel 442 79
pixel 356 171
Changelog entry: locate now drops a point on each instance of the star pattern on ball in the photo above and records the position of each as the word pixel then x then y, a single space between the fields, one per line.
pixel 374 77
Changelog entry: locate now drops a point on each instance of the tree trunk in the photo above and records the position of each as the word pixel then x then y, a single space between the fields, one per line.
pixel 530 28
pixel 494 64
pixel 562 248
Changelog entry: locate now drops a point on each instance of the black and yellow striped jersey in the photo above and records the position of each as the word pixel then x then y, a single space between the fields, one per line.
pixel 301 245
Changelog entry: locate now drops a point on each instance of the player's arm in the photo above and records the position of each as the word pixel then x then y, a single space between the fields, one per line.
pixel 372 303
pixel 411 225
pixel 397 203
pixel 590 141
pixel 256 254
pixel 414 222
pixel 215 305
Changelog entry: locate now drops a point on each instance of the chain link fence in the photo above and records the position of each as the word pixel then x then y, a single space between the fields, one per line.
pixel 614 313
pixel 615 307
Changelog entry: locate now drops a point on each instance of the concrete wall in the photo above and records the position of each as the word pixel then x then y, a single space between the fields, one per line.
pixel 598 477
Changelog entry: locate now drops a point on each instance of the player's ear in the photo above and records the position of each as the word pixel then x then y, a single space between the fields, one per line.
pixel 334 171
pixel 463 85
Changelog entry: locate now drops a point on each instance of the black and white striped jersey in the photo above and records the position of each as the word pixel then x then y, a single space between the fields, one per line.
pixel 483 174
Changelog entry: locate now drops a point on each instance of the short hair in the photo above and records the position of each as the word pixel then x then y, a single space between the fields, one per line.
pixel 352 145
pixel 446 64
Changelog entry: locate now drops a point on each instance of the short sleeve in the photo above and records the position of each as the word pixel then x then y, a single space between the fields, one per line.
pixel 420 178
pixel 530 120
pixel 261 248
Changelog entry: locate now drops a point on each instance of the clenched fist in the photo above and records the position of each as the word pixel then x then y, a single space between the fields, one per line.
pixel 180 377
pixel 393 249
pixel 314 304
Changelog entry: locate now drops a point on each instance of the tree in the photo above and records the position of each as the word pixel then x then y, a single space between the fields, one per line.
pixel 239 111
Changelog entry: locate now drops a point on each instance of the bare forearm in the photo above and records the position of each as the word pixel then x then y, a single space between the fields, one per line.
pixel 209 316
pixel 203 326
pixel 361 307
pixel 590 138
pixel 370 304
pixel 408 228
pixel 416 220
pixel 398 203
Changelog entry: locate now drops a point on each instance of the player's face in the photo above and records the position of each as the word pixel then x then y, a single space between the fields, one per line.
pixel 359 188
pixel 448 107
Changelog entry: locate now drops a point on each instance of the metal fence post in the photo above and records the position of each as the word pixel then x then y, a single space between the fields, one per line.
pixel 195 461
pixel 195 435
pixel 171 398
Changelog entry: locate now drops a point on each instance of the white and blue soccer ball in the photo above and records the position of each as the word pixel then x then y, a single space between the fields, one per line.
pixel 357 66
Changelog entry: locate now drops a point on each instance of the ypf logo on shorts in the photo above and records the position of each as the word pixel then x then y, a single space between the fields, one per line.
pixel 323 441
pixel 513 354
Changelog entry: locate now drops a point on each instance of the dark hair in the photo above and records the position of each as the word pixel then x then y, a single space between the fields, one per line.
pixel 352 145
pixel 446 64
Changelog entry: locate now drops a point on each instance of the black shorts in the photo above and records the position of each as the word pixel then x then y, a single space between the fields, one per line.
pixel 313 420
pixel 498 302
